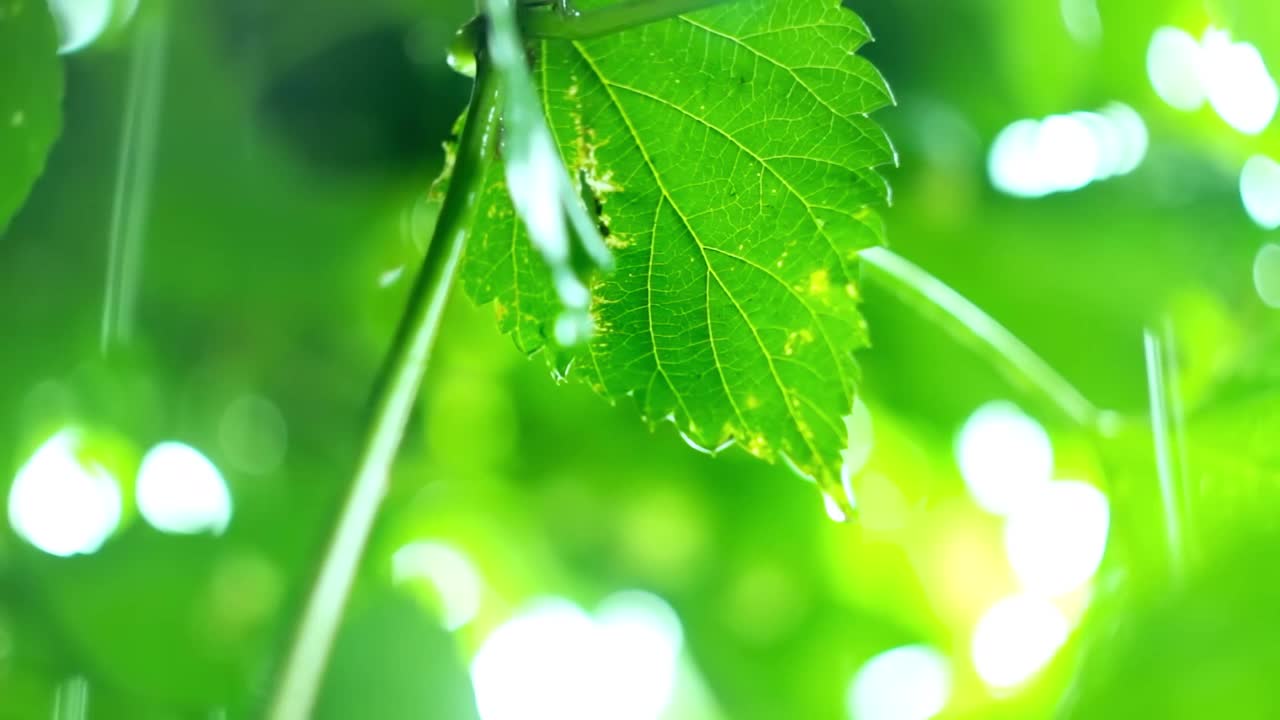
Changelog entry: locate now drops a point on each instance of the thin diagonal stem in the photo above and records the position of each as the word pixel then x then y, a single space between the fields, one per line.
pixel 392 404
pixel 1166 432
pixel 135 172
pixel 969 324
pixel 554 22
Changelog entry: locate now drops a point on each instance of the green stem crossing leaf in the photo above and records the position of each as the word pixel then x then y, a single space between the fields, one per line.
pixel 552 22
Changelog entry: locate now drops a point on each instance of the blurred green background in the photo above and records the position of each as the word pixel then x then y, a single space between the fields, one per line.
pixel 196 295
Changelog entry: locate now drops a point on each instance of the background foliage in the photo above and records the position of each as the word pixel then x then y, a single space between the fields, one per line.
pixel 293 145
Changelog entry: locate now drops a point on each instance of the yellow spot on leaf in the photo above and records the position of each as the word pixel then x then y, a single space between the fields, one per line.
pixel 819 282
pixel 796 339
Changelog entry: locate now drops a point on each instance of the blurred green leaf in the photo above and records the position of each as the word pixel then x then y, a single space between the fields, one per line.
pixel 1234 460
pixel 731 163
pixel 30 98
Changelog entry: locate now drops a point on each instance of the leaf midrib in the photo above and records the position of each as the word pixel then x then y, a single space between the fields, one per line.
pixel 845 380
pixel 801 426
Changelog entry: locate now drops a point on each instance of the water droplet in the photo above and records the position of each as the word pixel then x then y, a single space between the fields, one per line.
pixel 712 451
pixel 462 52
pixel 694 444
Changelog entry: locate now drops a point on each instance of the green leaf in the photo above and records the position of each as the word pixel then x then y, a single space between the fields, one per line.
pixel 730 162
pixel 30 98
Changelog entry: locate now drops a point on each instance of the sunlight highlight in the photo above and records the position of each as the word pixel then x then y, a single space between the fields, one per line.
pixel 62 505
pixel 83 22
pixel 552 661
pixel 912 682
pixel 1237 83
pixel 1015 638
pixel 1266 275
pixel 1062 153
pixel 449 571
pixel 1003 455
pixel 79 22
pixel 1231 76
pixel 1173 67
pixel 1055 541
pixel 1082 20
pixel 1260 191
pixel 180 491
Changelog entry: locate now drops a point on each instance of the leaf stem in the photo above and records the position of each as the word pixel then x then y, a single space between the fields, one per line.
pixel 1168 437
pixel 555 22
pixel 970 325
pixel 393 402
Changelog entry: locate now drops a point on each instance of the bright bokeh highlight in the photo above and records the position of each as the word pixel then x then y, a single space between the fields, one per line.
pixel 450 573
pixel 253 435
pixel 181 491
pixel 1015 638
pixel 1082 20
pixel 1123 138
pixel 912 682
pixel 553 661
pixel 1061 153
pixel 1004 455
pixel 1237 82
pixel 61 504
pixel 1056 539
pixel 81 22
pixel 1260 191
pixel 1231 76
pixel 1266 275
pixel 1173 67
pixel 860 438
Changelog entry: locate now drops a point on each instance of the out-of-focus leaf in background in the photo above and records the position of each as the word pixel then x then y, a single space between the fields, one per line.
pixel 30 98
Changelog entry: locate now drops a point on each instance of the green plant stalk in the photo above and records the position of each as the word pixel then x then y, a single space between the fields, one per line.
pixel 135 173
pixel 1167 435
pixel 392 404
pixel 970 325
pixel 551 22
